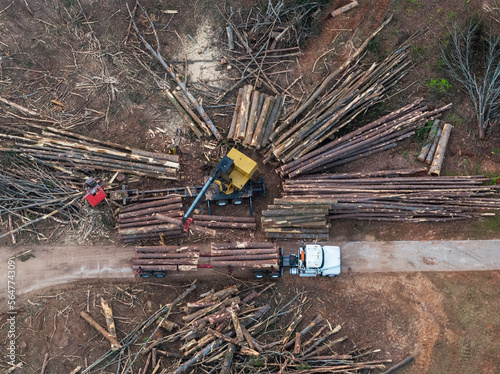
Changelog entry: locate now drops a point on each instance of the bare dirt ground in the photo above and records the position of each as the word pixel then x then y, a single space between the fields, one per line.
pixel 83 53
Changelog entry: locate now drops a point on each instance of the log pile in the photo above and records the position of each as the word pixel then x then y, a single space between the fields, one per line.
pixel 70 151
pixel 297 218
pixel 407 199
pixel 166 258
pixel 255 116
pixel 231 330
pixel 356 91
pixel 225 222
pixel 137 222
pixel 434 147
pixel 244 255
pixel 377 136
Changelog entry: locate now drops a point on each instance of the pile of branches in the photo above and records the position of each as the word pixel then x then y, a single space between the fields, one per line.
pixel 31 193
pixel 241 330
pixel 76 154
pixel 406 199
pixel 261 42
pixel 356 91
pixel 377 136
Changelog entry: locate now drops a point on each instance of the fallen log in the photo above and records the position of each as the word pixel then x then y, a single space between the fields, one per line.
pixel 432 150
pixel 344 9
pixel 398 365
pixel 227 225
pixel 437 162
pixel 261 120
pixel 232 128
pixel 187 118
pixel 150 211
pixel 428 142
pixel 252 119
pixel 115 345
pixel 152 204
pixel 201 217
pixel 110 322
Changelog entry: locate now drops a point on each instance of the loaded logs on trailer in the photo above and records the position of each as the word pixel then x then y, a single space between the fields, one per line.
pixel 245 255
pixel 157 260
pixel 74 153
pixel 262 258
pixel 227 330
pixel 377 136
pixel 408 199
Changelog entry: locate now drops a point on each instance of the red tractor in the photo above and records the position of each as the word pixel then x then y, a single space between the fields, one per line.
pixel 94 192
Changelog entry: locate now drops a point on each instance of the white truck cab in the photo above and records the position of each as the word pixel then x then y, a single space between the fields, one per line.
pixel 316 260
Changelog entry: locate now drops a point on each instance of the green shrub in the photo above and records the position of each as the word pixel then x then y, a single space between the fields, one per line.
pixel 438 87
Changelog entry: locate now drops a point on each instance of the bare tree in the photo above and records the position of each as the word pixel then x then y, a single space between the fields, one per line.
pixel 472 58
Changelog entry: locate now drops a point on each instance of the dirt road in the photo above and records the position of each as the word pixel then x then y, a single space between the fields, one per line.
pixel 59 265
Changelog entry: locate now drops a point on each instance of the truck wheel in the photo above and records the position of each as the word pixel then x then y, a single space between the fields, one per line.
pixel 275 275
pixel 159 274
pixel 222 202
pixel 237 201
pixel 146 274
pixel 258 274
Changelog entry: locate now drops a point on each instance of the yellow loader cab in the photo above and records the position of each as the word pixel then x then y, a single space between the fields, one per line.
pixel 237 170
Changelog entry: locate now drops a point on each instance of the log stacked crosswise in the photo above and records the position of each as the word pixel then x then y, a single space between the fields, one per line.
pixel 137 222
pixel 408 199
pixel 297 218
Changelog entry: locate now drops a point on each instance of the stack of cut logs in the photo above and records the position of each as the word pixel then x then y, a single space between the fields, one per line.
pixel 238 330
pixel 70 152
pixel 295 217
pixel 377 136
pixel 137 222
pixel 244 255
pixel 409 199
pixel 255 116
pixel 433 150
pixel 356 91
pixel 162 219
pixel 225 222
pixel 166 258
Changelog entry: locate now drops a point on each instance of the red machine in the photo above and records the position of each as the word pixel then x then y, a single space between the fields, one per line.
pixel 95 194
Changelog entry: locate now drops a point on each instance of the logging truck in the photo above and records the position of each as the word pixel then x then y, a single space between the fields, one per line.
pixel 263 259
pixel 312 260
